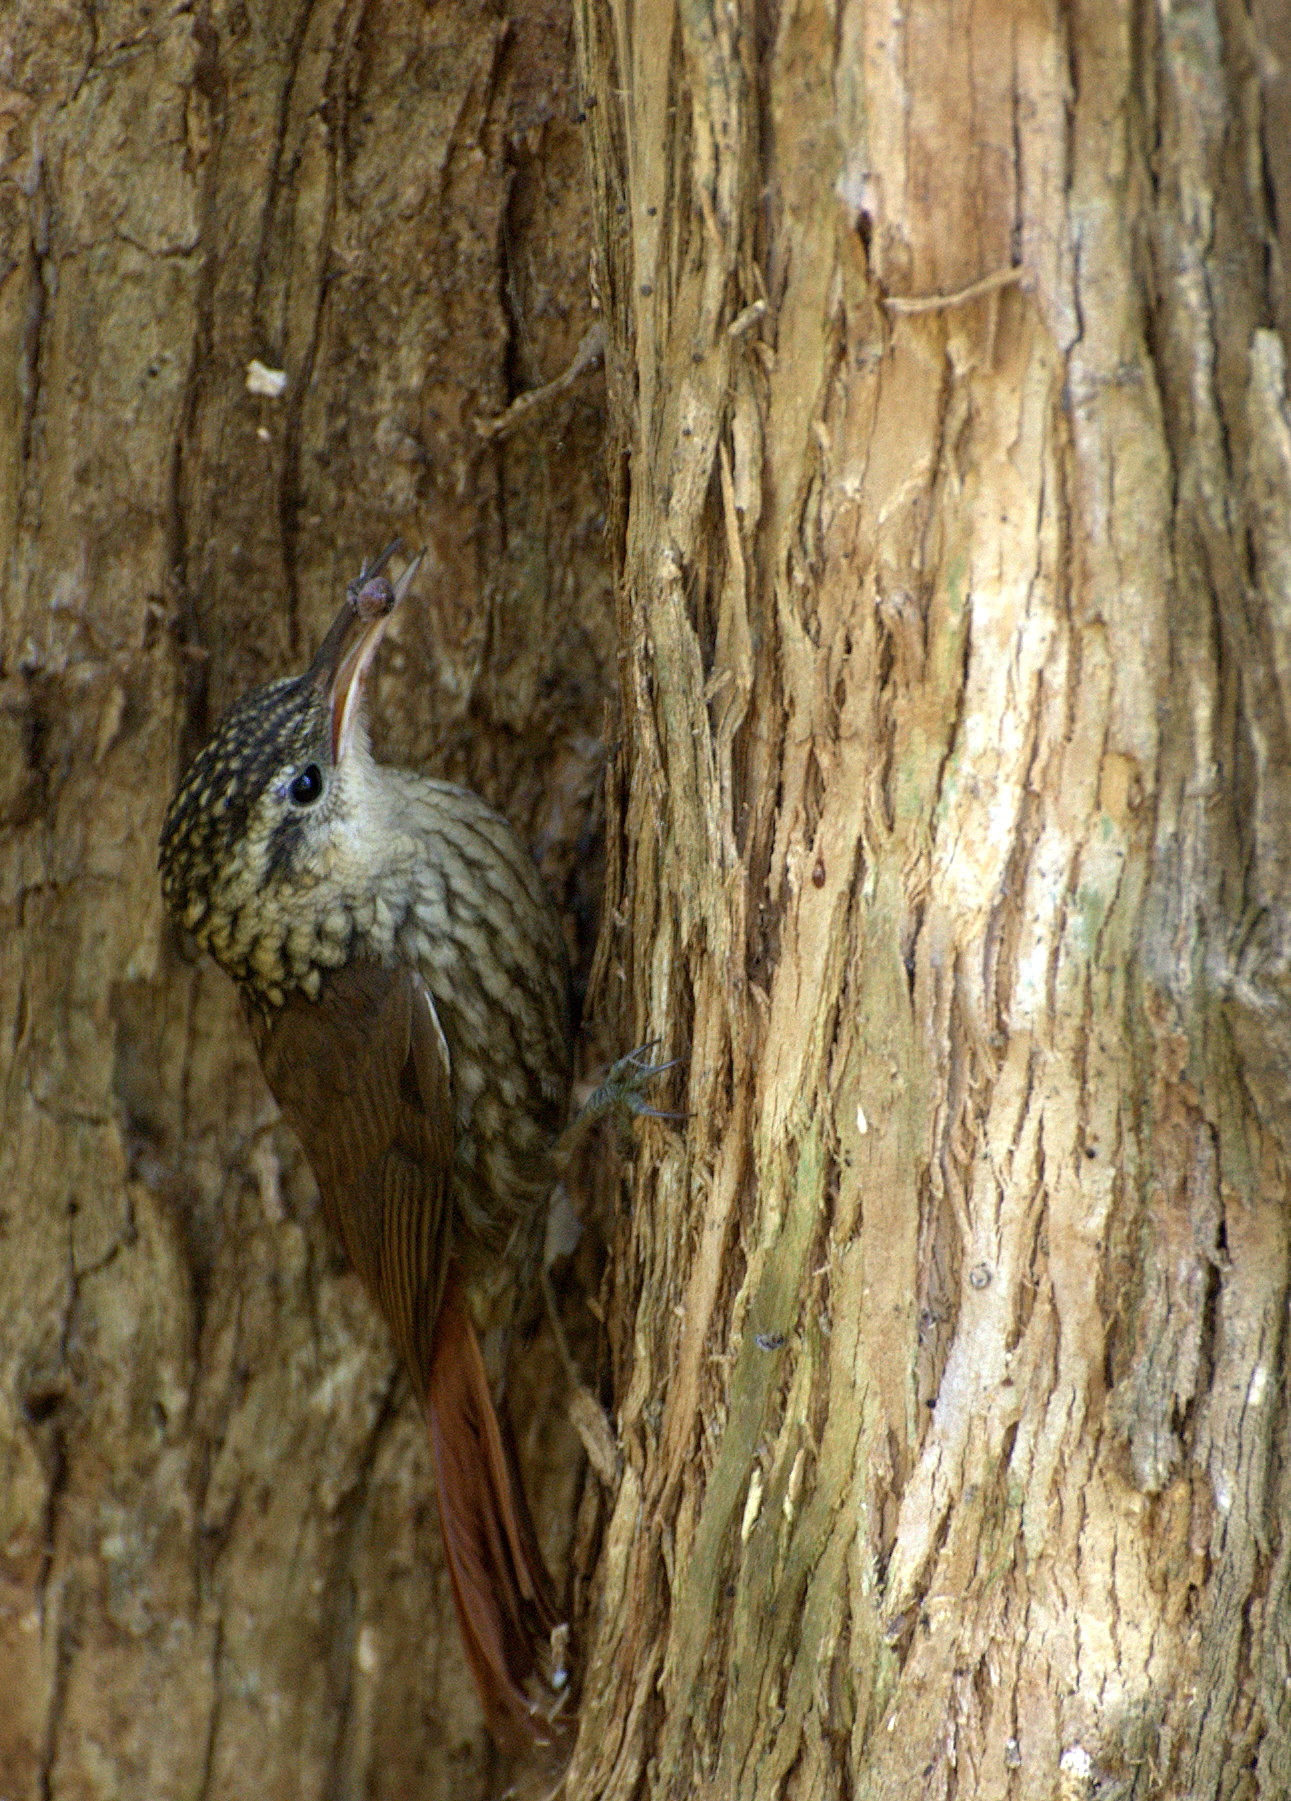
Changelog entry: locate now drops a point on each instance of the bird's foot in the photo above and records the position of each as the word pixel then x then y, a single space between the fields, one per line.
pixel 623 1092
pixel 625 1086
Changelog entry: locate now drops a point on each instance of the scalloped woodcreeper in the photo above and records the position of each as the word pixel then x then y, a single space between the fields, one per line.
pixel 404 976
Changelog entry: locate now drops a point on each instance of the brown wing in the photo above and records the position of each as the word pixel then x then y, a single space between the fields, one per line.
pixel 362 1076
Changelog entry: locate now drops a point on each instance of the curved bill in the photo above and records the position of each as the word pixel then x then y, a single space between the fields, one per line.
pixel 352 641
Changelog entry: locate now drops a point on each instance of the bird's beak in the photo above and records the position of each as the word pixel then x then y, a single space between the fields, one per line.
pixel 349 647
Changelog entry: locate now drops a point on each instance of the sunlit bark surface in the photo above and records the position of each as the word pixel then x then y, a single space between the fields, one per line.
pixel 951 492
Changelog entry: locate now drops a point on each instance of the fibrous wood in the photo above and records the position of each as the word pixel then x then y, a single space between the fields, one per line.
pixel 948 419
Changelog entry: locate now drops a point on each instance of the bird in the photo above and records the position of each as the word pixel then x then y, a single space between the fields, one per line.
pixel 404 976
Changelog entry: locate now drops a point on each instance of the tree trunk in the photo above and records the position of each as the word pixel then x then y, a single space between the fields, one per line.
pixel 951 491
pixel 220 1571
pixel 949 502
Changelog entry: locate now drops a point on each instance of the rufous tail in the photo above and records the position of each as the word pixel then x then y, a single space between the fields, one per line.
pixel 500 1584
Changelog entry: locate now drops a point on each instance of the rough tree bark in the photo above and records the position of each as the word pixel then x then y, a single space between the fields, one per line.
pixel 951 497
pixel 219 1564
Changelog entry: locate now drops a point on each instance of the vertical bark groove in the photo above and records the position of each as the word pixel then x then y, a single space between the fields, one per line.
pixel 994 1517
pixel 216 1554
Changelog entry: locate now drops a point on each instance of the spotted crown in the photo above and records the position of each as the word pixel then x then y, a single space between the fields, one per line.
pixel 264 732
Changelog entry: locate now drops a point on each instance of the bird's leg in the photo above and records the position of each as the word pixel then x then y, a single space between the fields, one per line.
pixel 624 1087
pixel 622 1092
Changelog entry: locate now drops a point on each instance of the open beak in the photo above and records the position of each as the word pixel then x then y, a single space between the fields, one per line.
pixel 350 645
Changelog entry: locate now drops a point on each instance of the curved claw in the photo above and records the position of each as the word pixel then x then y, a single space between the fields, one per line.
pixel 622 1089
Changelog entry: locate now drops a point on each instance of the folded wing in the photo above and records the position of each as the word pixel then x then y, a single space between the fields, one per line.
pixel 362 1074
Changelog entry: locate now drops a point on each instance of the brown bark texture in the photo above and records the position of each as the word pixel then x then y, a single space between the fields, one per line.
pixel 948 504
pixel 950 463
pixel 220 1571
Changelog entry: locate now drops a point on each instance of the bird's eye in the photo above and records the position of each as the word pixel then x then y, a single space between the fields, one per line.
pixel 307 786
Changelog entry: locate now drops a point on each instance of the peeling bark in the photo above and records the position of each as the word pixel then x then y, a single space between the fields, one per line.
pixel 948 444
pixel 949 421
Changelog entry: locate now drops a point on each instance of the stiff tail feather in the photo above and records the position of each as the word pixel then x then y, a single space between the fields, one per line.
pixel 500 1584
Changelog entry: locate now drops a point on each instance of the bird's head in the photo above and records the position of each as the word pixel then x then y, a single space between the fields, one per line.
pixel 268 815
